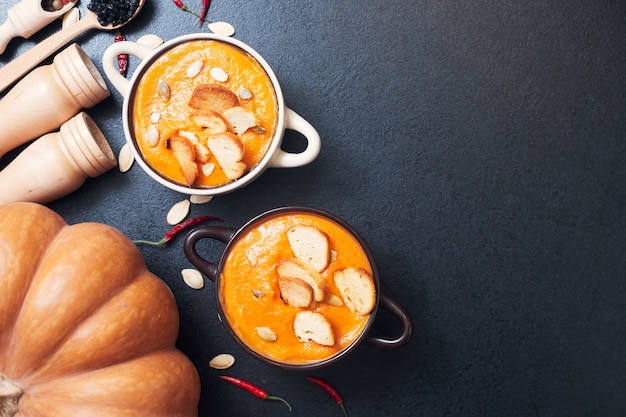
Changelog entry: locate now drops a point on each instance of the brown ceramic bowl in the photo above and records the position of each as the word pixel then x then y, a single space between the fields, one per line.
pixel 259 231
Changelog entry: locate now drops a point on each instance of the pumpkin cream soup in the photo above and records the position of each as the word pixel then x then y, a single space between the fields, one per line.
pixel 204 113
pixel 297 288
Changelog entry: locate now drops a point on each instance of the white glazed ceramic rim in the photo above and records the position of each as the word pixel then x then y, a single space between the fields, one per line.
pixel 260 167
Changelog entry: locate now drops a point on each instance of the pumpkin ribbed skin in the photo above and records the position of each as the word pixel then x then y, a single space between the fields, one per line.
pixel 85 328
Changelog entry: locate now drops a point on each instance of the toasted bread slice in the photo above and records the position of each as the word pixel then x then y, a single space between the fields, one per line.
pixel 240 119
pixel 310 326
pixel 213 97
pixel 310 245
pixel 211 121
pixel 228 151
pixel 295 269
pixel 185 154
pixel 357 289
pixel 295 292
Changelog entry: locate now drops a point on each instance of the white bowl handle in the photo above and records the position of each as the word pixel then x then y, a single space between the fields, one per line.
pixel 109 62
pixel 284 159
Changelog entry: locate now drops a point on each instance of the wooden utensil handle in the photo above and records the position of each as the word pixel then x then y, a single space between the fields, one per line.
pixel 14 70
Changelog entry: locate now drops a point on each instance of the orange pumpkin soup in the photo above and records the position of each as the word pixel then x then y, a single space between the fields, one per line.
pixel 251 297
pixel 204 113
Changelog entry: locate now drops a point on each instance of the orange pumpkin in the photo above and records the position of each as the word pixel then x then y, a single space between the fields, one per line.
pixel 85 328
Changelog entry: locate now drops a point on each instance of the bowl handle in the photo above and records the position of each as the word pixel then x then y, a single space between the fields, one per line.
pixel 223 234
pixel 109 62
pixel 389 304
pixel 284 159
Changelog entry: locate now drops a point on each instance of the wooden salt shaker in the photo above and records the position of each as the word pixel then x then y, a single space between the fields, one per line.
pixel 57 163
pixel 26 18
pixel 48 96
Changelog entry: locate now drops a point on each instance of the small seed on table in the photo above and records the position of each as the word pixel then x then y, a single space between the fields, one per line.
pixel 150 40
pixel 178 212
pixel 222 28
pixel 125 158
pixel 200 199
pixel 222 361
pixel 193 278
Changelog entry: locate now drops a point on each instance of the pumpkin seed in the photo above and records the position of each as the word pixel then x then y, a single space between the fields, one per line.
pixel 218 74
pixel 222 28
pixel 163 89
pixel 70 17
pixel 193 278
pixel 222 361
pixel 194 69
pixel 251 254
pixel 333 256
pixel 155 117
pixel 333 300
pixel 178 212
pixel 266 334
pixel 153 136
pixel 244 93
pixel 258 129
pixel 150 40
pixel 189 135
pixel 207 169
pixel 200 199
pixel 125 158
pixel 258 293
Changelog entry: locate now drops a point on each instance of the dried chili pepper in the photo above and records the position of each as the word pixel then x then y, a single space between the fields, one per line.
pixel 330 390
pixel 253 389
pixel 205 9
pixel 179 228
pixel 122 59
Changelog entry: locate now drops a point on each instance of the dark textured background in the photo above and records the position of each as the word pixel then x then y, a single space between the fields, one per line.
pixel 479 147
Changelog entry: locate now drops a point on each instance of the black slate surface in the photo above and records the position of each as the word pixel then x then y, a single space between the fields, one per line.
pixel 480 149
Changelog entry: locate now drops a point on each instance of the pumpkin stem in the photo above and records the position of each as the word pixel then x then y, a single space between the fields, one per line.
pixel 10 394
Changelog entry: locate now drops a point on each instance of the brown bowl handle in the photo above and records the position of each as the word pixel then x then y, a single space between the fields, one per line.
pixel 389 304
pixel 223 234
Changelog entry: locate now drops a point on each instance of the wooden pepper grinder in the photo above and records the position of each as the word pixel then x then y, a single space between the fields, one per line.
pixel 48 96
pixel 57 163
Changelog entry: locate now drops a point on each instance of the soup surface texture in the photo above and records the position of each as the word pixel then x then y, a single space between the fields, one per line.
pixel 177 92
pixel 250 295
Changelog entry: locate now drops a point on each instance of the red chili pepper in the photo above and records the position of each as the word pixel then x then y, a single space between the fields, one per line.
pixel 330 390
pixel 256 391
pixel 122 59
pixel 201 17
pixel 179 228
pixel 205 9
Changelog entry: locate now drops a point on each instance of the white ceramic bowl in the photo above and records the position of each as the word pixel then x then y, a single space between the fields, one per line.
pixel 275 157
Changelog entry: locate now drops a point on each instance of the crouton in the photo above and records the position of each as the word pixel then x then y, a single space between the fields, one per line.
pixel 356 287
pixel 311 326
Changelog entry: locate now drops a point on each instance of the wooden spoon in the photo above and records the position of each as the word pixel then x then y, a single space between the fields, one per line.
pixel 15 69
